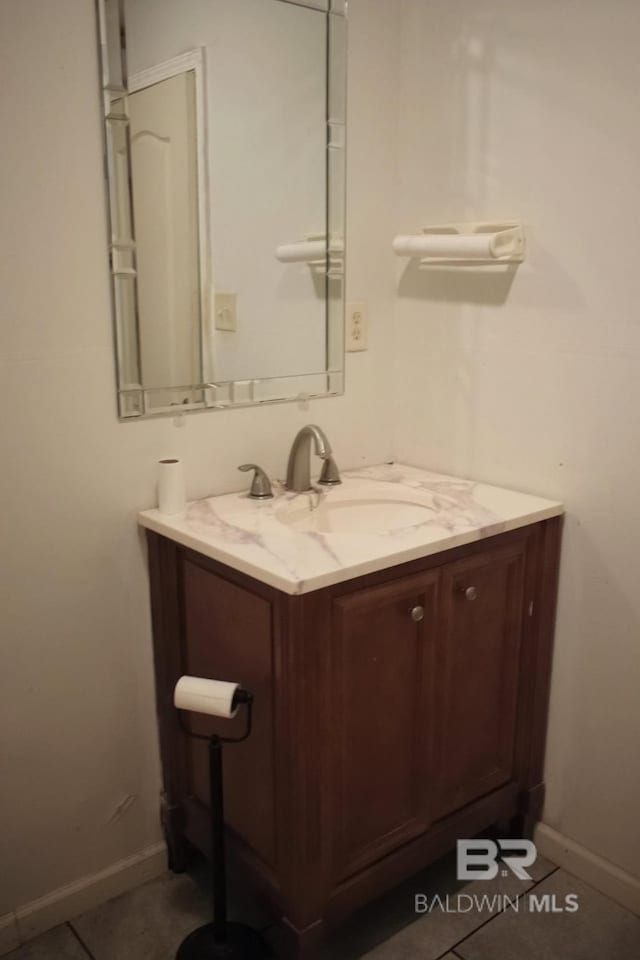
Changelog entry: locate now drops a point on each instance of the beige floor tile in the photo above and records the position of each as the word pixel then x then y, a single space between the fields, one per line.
pixel 145 924
pixel 599 930
pixel 56 944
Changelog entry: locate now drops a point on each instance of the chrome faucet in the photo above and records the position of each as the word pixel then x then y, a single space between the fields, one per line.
pixel 299 467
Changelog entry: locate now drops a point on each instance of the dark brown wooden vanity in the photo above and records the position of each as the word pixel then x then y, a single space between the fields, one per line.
pixel 394 714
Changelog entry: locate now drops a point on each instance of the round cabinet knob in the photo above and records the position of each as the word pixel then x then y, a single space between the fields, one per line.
pixel 471 593
pixel 417 614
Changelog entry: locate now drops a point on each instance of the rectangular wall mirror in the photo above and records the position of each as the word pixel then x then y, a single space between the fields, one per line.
pixel 225 141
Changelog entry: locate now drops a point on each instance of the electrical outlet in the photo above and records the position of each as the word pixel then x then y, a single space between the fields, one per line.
pixel 356 327
pixel 226 311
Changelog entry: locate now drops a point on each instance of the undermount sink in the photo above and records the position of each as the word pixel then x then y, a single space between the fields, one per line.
pixel 353 516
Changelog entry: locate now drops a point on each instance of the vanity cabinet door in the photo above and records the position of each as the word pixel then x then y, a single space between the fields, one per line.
pixel 478 656
pixel 381 674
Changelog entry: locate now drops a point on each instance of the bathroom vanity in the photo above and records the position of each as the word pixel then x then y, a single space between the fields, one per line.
pixel 396 632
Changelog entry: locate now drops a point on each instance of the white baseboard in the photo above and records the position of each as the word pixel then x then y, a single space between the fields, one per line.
pixel 594 870
pixel 9 938
pixel 33 918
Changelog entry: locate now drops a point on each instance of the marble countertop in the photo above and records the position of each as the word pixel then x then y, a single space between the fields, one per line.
pixel 302 542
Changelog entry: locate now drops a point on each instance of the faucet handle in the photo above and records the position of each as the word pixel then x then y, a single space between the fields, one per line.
pixel 260 485
pixel 330 475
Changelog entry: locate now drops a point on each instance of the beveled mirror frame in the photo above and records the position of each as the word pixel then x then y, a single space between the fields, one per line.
pixel 134 401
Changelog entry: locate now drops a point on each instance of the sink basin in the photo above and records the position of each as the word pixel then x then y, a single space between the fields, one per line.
pixel 354 516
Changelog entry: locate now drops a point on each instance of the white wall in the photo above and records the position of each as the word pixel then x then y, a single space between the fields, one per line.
pixel 519 109
pixel 78 719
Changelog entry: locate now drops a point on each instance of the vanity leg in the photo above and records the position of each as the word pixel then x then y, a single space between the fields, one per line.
pixel 179 850
pixel 529 813
pixel 506 827
pixel 294 944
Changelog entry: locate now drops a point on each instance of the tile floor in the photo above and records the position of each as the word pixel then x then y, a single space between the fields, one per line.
pixel 150 922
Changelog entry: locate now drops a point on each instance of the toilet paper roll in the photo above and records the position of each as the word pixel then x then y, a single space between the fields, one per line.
pixel 442 245
pixel 172 497
pixel 213 697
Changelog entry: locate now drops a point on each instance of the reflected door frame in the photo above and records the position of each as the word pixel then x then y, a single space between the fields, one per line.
pixel 195 61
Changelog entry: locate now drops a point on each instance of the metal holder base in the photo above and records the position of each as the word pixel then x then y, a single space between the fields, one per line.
pixel 240 943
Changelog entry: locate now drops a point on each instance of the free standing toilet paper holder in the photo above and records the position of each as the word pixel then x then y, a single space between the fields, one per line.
pixel 233 941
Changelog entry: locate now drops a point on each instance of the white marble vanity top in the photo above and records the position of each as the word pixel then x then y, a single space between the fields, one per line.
pixel 378 517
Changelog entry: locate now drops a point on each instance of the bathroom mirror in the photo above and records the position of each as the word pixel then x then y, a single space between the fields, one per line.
pixel 225 144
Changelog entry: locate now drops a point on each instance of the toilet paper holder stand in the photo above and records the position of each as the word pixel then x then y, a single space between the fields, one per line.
pixel 221 938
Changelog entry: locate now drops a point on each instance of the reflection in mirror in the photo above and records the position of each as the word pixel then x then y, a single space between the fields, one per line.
pixel 225 139
pixel 164 175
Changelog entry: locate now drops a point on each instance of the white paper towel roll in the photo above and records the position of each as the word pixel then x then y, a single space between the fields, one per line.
pixel 214 697
pixel 172 497
pixel 480 246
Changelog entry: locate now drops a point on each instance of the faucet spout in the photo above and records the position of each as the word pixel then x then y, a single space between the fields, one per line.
pixel 299 466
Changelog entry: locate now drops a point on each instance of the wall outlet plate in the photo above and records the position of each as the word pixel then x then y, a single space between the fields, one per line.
pixel 356 333
pixel 225 306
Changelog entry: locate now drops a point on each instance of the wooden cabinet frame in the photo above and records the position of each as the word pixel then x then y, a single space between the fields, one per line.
pixel 294 846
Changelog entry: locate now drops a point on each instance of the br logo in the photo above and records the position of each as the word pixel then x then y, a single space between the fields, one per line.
pixel 479 859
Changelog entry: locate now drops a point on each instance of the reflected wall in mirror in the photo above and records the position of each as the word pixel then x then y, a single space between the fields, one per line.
pixel 225 126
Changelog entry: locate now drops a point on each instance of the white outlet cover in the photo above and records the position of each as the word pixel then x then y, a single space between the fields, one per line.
pixel 357 323
pixel 226 311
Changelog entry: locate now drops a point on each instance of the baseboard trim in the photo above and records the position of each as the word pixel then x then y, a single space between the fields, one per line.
pixel 9 938
pixel 65 903
pixel 594 870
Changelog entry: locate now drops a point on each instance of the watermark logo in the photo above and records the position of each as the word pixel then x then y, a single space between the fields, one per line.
pixel 498 903
pixel 485 860
pixel 479 859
